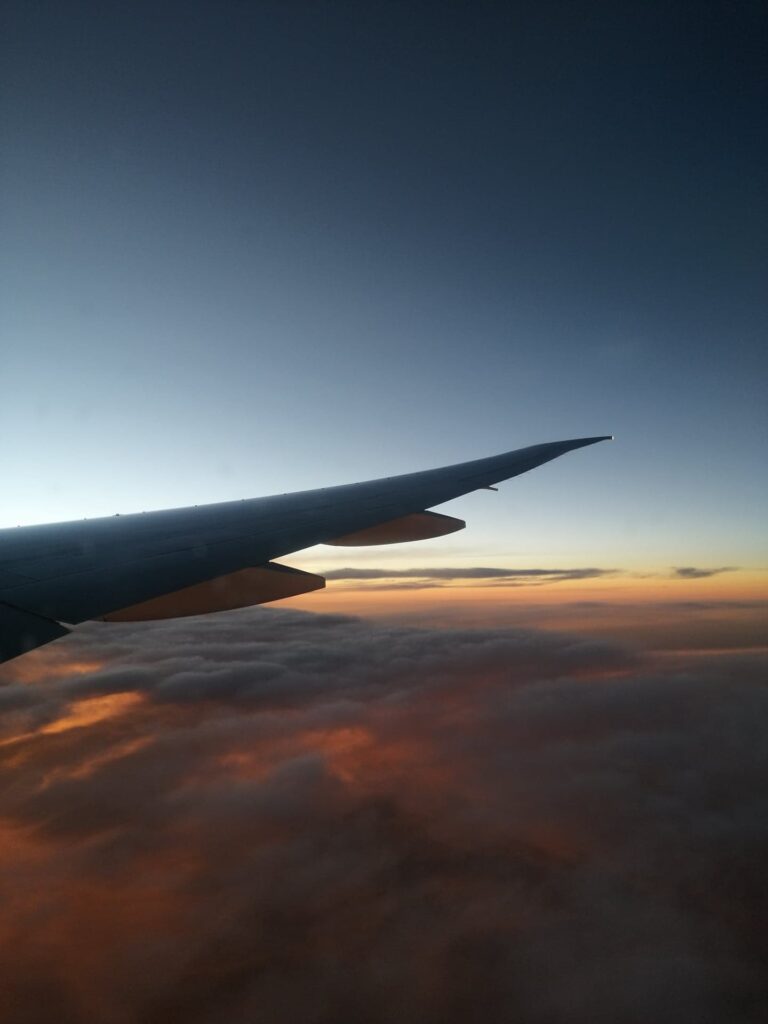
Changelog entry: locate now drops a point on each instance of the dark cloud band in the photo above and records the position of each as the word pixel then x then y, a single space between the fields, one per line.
pixel 425 577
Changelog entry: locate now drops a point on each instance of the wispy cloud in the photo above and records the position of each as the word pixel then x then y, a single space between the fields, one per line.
pixel 690 572
pixel 423 578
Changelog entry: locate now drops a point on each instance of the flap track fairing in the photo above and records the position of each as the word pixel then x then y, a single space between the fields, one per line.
pixel 419 526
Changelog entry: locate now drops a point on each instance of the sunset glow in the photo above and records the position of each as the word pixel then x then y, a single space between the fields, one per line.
pixel 473 293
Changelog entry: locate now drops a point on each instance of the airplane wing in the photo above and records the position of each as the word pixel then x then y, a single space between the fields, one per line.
pixel 191 561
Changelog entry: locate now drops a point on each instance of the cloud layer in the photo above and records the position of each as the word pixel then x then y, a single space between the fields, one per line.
pixel 270 815
pixel 374 578
pixel 429 578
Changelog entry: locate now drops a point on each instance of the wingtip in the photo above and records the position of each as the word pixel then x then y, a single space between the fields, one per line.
pixel 582 442
pixel 595 440
pixel 572 444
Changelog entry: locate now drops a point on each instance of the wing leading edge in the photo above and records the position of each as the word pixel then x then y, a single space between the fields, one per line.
pixel 94 569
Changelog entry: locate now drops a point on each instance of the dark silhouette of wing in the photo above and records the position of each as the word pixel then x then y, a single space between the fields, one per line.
pixel 194 560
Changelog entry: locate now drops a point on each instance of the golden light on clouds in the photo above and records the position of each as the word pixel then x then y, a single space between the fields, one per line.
pixel 728 609
pixel 91 710
pixel 284 805
pixel 78 715
pixel 46 663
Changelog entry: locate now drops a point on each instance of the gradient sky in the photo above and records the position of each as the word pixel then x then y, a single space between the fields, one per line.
pixel 251 248
pixel 518 773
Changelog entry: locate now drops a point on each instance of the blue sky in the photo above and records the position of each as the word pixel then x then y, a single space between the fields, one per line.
pixel 265 247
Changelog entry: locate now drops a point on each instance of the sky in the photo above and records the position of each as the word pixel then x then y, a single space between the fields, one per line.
pixel 251 248
pixel 514 773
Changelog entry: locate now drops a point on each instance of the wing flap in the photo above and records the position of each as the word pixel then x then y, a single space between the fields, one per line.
pixel 256 585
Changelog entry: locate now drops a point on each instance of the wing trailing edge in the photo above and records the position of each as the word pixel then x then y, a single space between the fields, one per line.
pixel 257 585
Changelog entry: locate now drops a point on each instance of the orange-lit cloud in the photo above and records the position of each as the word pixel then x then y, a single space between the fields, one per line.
pixel 273 815
pixel 91 710
pixel 48 662
pixel 655 610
